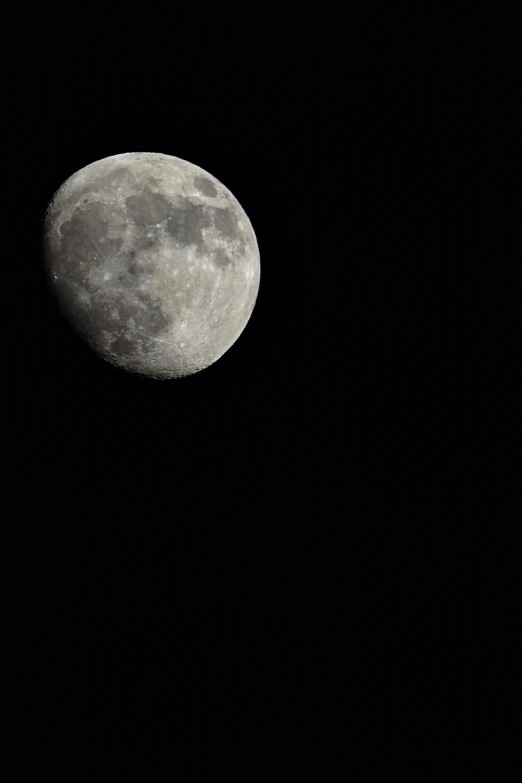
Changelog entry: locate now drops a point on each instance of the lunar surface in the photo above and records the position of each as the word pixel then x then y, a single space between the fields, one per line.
pixel 154 262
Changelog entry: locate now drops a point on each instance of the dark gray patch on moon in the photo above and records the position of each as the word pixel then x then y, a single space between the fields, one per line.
pixel 122 346
pixel 186 223
pixel 147 208
pixel 221 258
pixel 85 237
pixel 205 186
pixel 127 266
pixel 86 219
pixel 134 268
pixel 145 242
pixel 226 223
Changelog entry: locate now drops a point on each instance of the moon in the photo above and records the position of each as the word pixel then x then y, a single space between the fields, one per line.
pixel 153 261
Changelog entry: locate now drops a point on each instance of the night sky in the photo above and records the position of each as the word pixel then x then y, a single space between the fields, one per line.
pixel 313 484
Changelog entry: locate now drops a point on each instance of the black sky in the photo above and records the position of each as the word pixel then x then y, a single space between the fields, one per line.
pixel 235 528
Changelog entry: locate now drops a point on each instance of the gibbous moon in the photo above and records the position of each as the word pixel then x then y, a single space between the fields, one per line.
pixel 154 262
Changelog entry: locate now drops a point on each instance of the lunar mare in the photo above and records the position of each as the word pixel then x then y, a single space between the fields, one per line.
pixel 154 262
